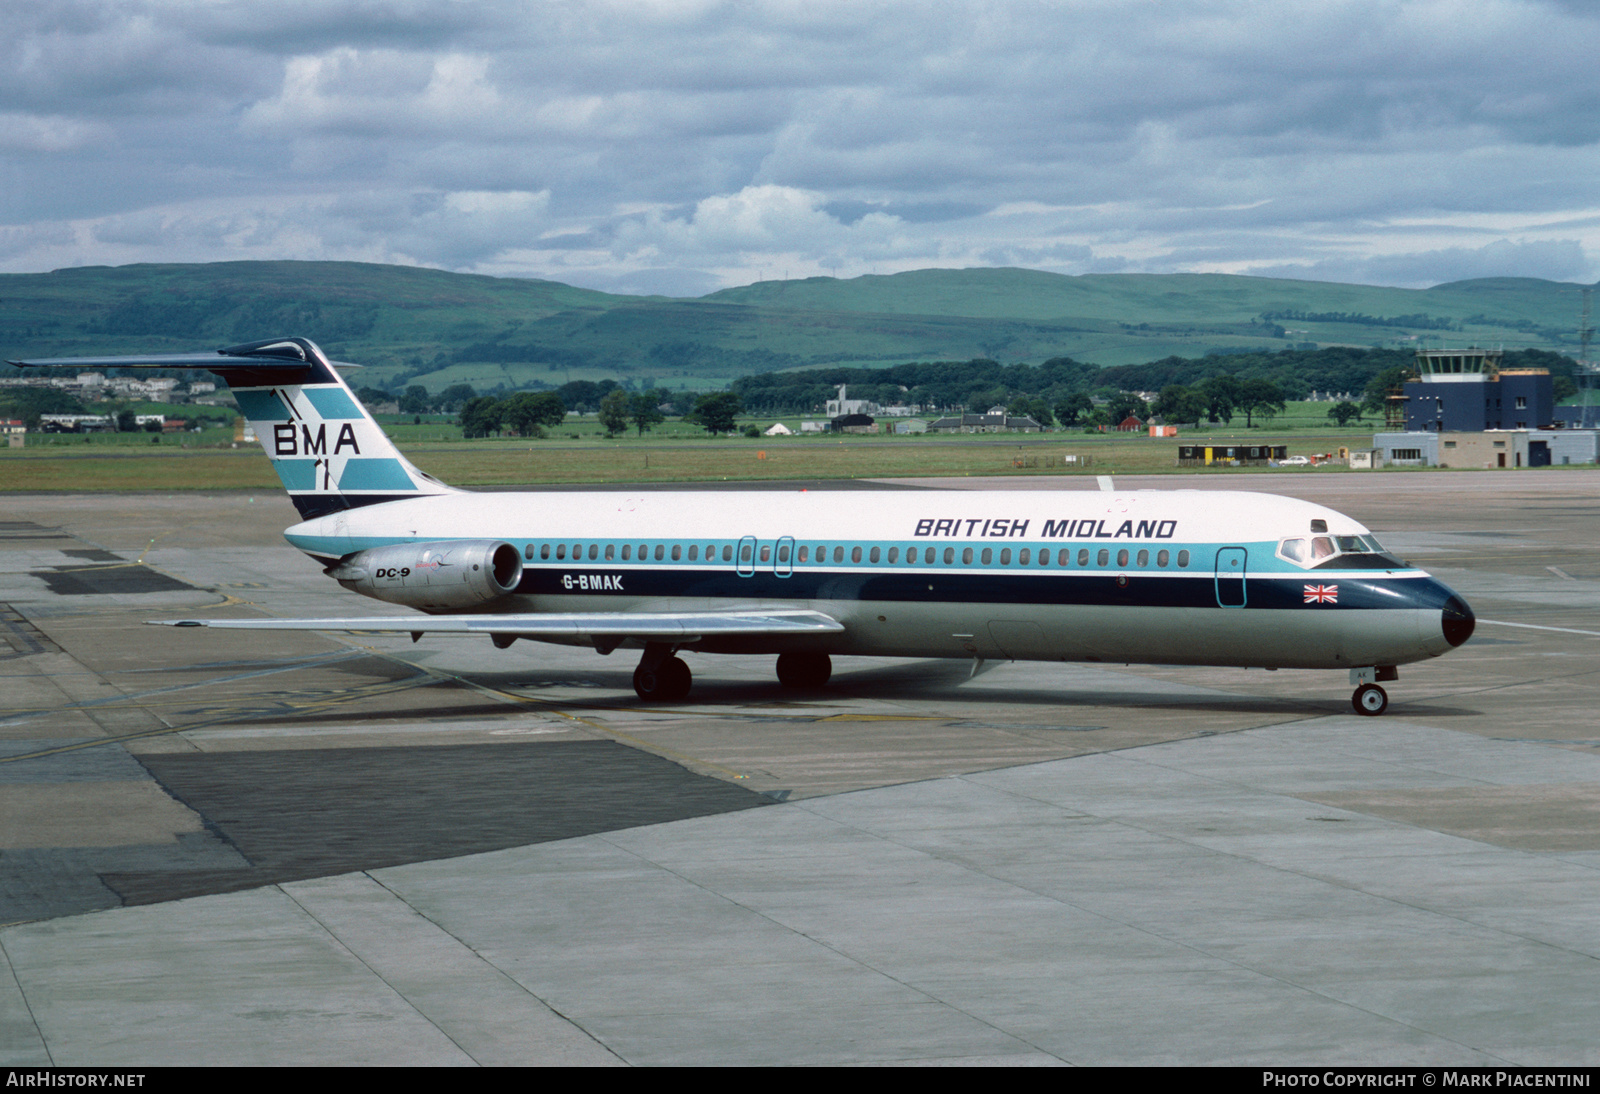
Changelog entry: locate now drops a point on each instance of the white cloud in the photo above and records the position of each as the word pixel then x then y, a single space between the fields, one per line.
pixel 706 142
pixel 45 133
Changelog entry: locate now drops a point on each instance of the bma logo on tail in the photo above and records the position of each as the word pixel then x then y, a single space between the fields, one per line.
pixel 323 443
pixel 284 442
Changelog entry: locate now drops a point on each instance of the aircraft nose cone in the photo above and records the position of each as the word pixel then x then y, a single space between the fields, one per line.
pixel 1457 621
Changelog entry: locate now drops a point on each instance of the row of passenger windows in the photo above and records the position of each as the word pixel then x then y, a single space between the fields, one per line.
pixel 748 554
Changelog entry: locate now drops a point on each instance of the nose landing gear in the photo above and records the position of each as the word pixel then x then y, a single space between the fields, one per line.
pixel 1369 698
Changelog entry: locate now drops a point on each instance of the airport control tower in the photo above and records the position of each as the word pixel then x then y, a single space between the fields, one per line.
pixel 1466 390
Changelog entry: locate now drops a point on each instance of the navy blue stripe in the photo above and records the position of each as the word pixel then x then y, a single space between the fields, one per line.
pixel 957 587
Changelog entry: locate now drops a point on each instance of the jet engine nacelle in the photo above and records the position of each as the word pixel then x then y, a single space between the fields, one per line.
pixel 450 575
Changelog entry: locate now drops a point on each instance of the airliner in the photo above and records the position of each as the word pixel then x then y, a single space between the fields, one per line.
pixel 1178 577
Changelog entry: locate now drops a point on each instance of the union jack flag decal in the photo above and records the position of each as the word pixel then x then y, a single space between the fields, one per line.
pixel 1322 594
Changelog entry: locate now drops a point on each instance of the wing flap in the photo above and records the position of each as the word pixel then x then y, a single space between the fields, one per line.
pixel 657 626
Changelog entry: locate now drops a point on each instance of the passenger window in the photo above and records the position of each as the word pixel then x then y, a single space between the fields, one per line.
pixel 1144 559
pixel 660 551
pixel 1005 557
pixel 1103 558
pixel 1183 558
pixel 988 555
pixel 1122 557
pixel 544 551
pixel 561 551
pixel 873 555
pixel 644 551
pixel 783 553
pixel 766 552
pixel 838 554
pixel 1083 556
pixel 627 551
pixel 746 553
pixel 966 556
pixel 594 552
pixel 1023 556
pixel 727 552
pixel 894 554
pixel 528 553
pixel 949 555
pixel 611 552
pixel 577 551
pixel 694 552
pixel 804 553
pixel 855 554
pixel 677 552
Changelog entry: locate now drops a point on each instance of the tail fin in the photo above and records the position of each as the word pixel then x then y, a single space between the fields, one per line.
pixel 326 448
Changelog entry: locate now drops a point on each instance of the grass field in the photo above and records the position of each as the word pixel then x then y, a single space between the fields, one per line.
pixel 130 462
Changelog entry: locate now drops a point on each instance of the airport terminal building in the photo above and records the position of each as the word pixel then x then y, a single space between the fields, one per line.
pixel 1463 410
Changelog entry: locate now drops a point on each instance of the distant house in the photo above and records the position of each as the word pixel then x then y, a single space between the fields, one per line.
pixel 1130 424
pixel 855 423
pixel 995 421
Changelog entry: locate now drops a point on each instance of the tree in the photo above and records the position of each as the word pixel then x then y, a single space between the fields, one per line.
pixel 480 417
pixel 645 409
pixel 28 403
pixel 1124 404
pixel 614 410
pixel 1072 406
pixel 716 412
pixel 415 400
pixel 1032 406
pixel 528 411
pixel 454 397
pixel 1261 397
pixel 1177 403
pixel 127 422
pixel 1342 412
pixel 1376 394
pixel 1222 395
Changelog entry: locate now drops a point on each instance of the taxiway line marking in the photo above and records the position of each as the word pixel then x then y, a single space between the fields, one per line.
pixel 1539 627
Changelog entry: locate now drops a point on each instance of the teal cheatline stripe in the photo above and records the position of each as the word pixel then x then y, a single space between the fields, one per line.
pixel 297 474
pixel 374 475
pixel 332 402
pixel 261 406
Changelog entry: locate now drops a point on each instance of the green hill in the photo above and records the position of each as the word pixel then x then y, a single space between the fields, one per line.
pixel 413 325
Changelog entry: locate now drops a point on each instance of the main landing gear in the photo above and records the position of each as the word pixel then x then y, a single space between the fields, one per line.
pixel 1369 698
pixel 661 677
pixel 804 671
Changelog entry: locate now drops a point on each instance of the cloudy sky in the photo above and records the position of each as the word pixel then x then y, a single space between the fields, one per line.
pixel 684 146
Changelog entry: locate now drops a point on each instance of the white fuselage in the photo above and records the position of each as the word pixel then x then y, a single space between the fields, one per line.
pixel 1179 577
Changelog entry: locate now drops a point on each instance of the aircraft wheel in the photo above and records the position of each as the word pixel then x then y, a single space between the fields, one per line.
pixel 669 682
pixel 804 670
pixel 1370 700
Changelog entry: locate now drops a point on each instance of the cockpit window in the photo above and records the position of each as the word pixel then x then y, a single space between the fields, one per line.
pixel 1346 552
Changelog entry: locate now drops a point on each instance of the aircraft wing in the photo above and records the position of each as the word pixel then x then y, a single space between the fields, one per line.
pixel 649 626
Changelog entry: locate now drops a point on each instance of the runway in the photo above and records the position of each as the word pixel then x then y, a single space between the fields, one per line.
pixel 228 847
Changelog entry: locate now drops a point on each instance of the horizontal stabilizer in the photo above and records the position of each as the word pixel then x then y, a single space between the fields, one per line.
pixel 648 626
